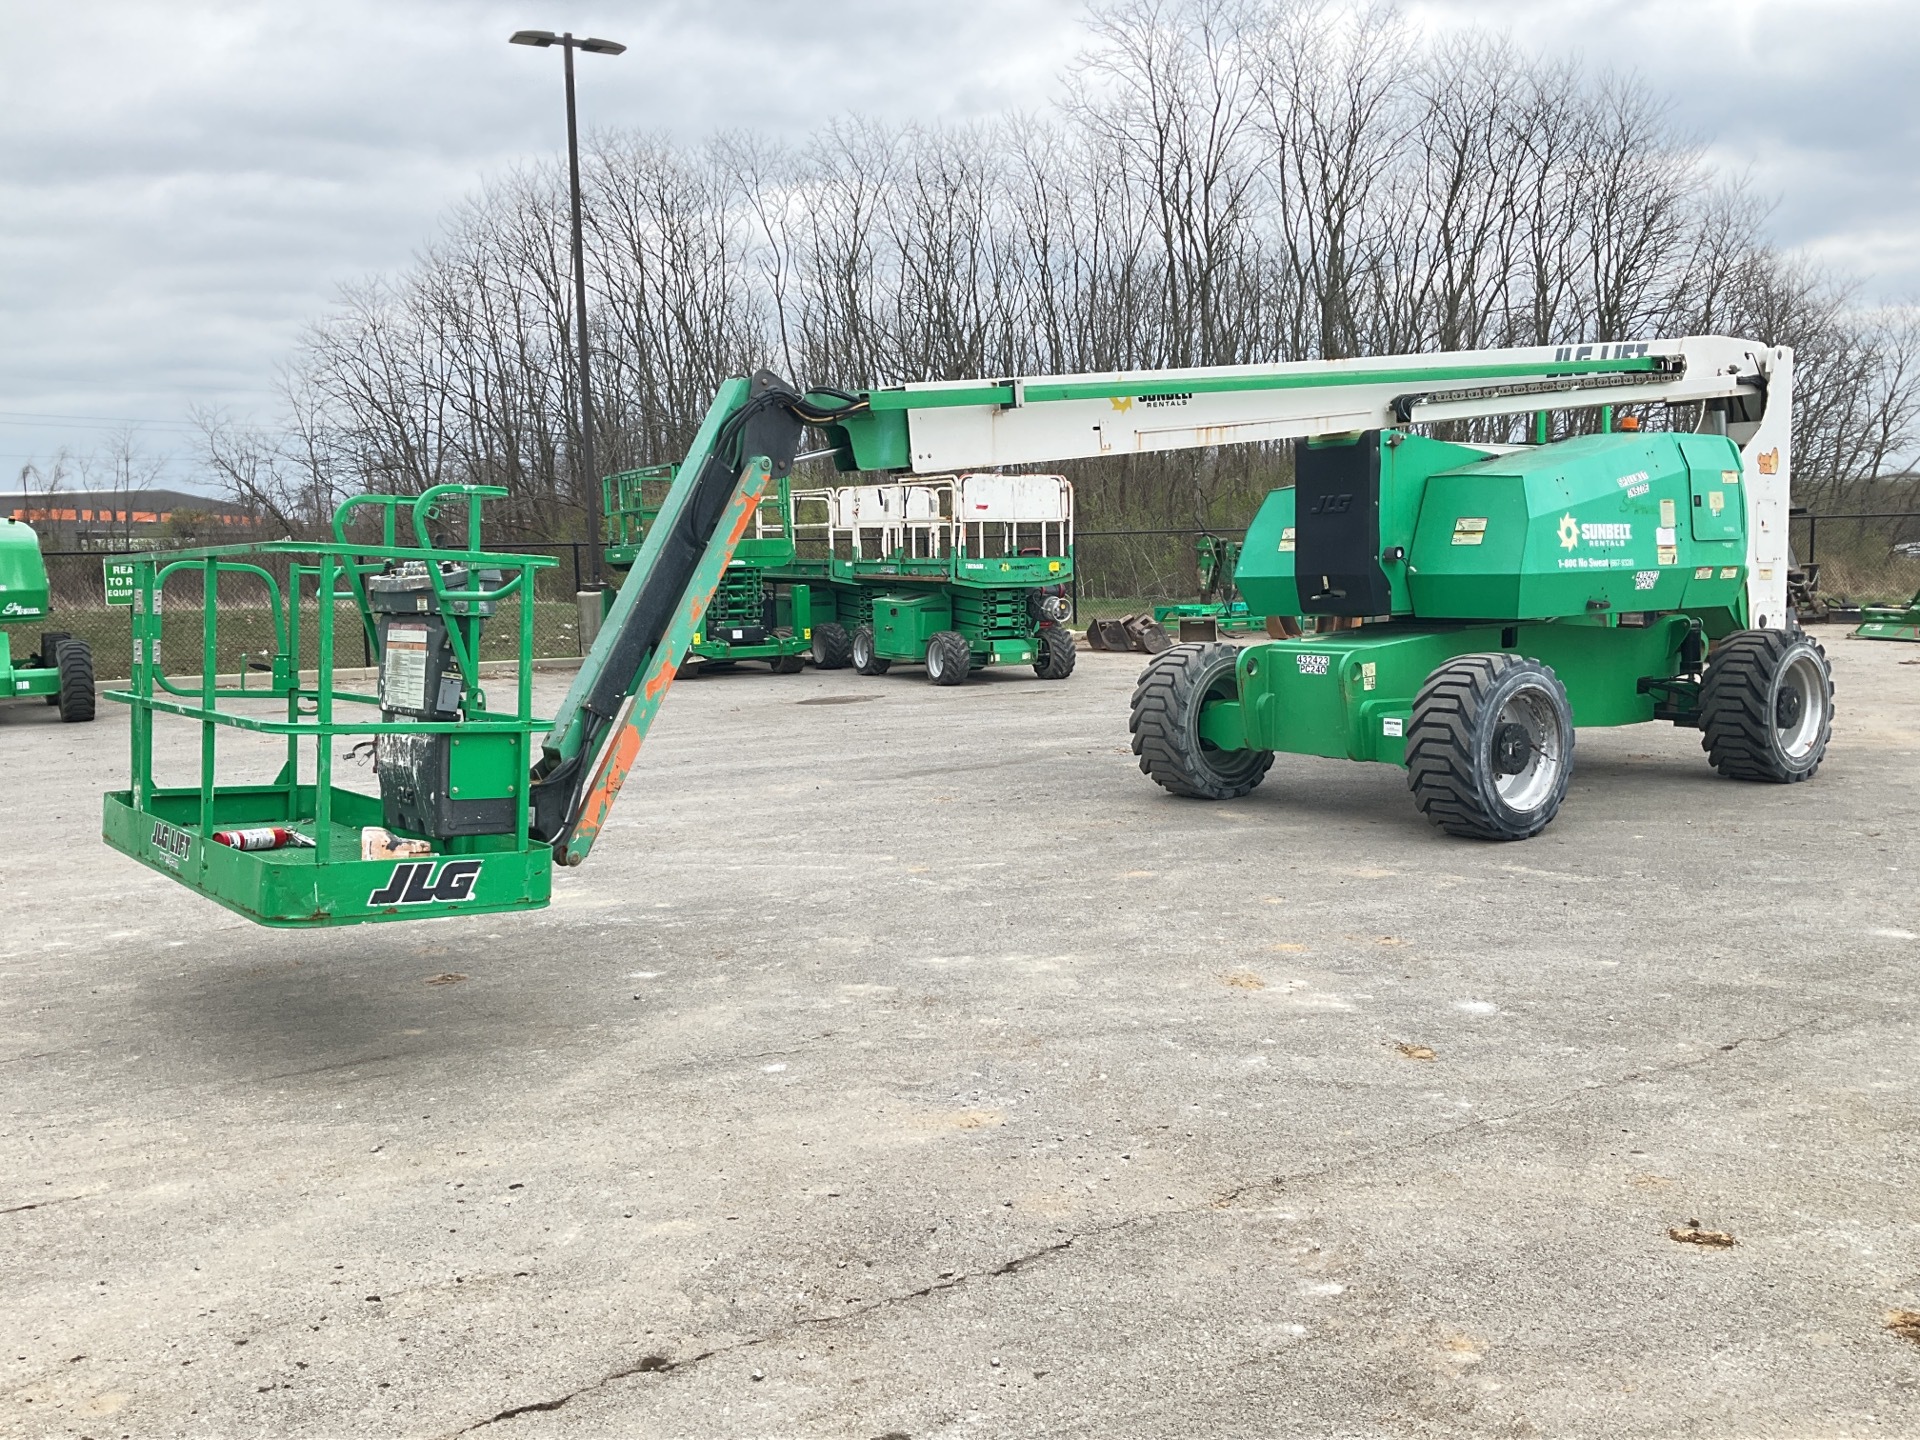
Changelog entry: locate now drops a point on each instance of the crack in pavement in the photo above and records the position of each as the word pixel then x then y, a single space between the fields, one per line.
pixel 661 1365
pixel 42 1204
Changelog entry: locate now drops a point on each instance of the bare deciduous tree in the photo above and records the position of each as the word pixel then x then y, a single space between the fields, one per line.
pixel 1222 181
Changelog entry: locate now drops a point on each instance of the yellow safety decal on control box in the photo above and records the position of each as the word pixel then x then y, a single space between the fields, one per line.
pixel 1470 530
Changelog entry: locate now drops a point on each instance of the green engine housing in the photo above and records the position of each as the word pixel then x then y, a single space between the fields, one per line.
pixel 23 574
pixel 1387 524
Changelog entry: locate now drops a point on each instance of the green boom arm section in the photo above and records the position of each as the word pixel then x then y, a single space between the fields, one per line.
pixel 749 437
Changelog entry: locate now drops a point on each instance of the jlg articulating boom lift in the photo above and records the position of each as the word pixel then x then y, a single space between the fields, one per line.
pixel 1475 603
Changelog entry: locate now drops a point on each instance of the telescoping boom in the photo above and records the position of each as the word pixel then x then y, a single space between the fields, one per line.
pixel 1486 595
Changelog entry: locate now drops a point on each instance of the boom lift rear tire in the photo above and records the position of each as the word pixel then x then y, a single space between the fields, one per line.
pixel 864 660
pixel 76 681
pixel 1490 747
pixel 832 647
pixel 1766 706
pixel 949 658
pixel 1173 689
pixel 1057 654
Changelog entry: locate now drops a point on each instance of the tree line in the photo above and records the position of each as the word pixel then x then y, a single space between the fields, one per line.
pixel 1217 182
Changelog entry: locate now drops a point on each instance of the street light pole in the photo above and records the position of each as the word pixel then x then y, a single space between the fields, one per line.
pixel 588 475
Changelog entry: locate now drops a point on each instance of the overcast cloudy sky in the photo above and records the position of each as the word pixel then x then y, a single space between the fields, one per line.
pixel 184 184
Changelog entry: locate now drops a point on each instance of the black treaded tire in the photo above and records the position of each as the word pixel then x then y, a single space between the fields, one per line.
pixel 76 681
pixel 1055 662
pixel 1766 706
pixel 1165 722
pixel 787 664
pixel 1471 720
pixel 832 646
pixel 864 659
pixel 949 658
pixel 49 656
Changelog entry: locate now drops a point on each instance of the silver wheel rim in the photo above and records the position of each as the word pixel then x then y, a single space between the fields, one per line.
pixel 862 652
pixel 934 666
pixel 1533 711
pixel 1804 678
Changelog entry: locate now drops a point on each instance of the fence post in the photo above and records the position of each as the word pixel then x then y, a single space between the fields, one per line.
pixel 1813 537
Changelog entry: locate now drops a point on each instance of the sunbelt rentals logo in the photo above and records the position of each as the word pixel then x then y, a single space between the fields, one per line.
pixel 1604 535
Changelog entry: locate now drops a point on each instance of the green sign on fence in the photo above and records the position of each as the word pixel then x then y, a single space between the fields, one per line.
pixel 119 581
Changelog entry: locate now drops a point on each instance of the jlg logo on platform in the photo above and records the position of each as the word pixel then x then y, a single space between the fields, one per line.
pixel 414 883
pixel 1331 505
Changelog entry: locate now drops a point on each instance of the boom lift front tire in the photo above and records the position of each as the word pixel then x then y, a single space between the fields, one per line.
pixel 1490 747
pixel 864 660
pixel 76 681
pixel 1766 706
pixel 832 647
pixel 1057 654
pixel 949 658
pixel 1173 689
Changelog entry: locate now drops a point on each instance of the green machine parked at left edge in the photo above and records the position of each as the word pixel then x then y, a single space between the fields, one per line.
pixel 61 670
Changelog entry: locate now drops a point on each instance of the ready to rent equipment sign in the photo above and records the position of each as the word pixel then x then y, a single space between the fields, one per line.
pixel 119 581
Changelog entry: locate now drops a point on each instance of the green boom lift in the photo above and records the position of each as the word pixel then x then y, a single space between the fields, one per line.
pixel 61 670
pixel 1480 600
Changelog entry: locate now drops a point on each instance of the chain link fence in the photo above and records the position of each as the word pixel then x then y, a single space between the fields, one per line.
pixel 1863 559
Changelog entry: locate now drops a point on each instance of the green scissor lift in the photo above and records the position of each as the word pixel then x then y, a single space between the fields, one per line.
pixel 747 619
pixel 955 589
